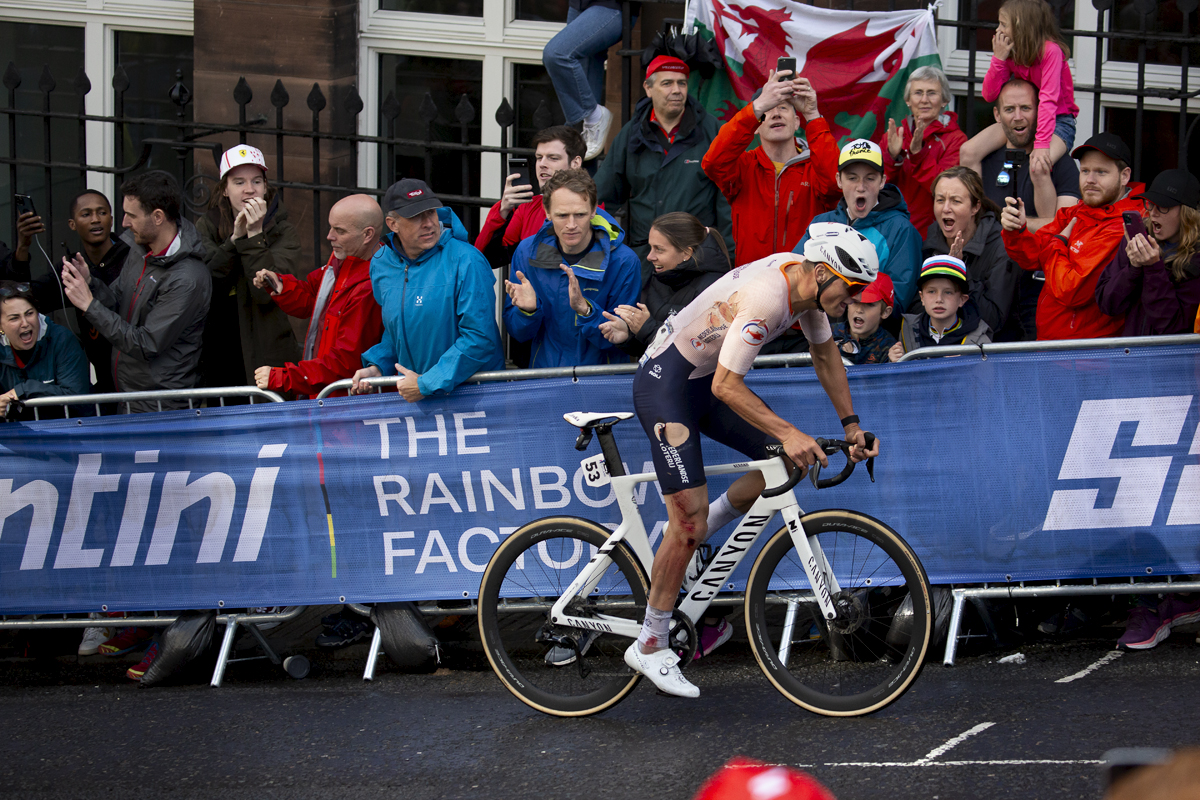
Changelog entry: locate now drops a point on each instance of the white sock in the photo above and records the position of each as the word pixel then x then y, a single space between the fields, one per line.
pixel 594 117
pixel 720 513
pixel 655 629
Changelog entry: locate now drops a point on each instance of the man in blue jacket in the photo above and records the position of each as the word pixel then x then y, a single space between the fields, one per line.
pixel 438 298
pixel 876 210
pixel 568 273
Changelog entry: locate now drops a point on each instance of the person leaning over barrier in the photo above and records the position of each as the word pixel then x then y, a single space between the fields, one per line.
pixel 153 314
pixel 1154 279
pixel 37 357
pixel 344 319
pixel 91 219
pixel 1079 243
pixel 438 298
pixel 245 230
pixel 775 189
pixel 567 275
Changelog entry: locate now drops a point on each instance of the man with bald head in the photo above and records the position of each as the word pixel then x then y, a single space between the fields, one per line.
pixel 344 319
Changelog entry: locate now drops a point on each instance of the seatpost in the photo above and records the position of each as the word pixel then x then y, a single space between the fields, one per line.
pixel 608 446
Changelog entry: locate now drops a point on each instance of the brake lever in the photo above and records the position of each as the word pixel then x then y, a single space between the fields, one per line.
pixel 870 440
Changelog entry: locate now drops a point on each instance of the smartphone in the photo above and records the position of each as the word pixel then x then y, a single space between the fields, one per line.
pixel 1134 224
pixel 520 165
pixel 24 204
pixel 784 62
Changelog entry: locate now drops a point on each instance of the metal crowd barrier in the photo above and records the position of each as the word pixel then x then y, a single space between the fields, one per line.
pixel 1127 343
pixel 296 666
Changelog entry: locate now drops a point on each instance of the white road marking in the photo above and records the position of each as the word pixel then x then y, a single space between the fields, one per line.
pixel 1014 762
pixel 957 740
pixel 1113 656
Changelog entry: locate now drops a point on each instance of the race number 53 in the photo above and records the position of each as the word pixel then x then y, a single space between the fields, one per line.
pixel 595 471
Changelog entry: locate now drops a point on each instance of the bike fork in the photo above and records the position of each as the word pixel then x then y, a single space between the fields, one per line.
pixel 822 580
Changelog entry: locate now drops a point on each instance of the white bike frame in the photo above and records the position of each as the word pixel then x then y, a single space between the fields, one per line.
pixel 702 591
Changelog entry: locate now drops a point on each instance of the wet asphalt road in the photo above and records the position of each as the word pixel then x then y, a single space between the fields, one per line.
pixel 74 728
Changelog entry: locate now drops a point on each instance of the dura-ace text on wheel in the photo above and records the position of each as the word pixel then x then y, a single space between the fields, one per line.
pixel 849 665
pixel 530 570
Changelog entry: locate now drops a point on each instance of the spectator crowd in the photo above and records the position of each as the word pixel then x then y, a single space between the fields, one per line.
pixel 1013 235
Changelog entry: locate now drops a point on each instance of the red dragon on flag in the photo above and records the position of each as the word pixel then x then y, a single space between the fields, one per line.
pixel 857 61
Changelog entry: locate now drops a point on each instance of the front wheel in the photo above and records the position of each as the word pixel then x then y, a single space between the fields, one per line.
pixel 535 659
pixel 846 666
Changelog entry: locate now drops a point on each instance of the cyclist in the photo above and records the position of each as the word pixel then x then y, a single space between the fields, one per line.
pixel 692 380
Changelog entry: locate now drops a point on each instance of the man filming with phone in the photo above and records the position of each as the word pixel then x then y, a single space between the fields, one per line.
pixel 520 212
pixel 775 189
pixel 1007 172
pixel 91 219
pixel 1079 243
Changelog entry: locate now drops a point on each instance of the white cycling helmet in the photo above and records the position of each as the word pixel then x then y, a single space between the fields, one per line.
pixel 844 250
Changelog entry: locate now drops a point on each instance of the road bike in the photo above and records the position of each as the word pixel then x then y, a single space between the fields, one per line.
pixel 837 605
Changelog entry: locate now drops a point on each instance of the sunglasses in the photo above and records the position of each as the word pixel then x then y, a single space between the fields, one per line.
pixel 855 286
pixel 14 290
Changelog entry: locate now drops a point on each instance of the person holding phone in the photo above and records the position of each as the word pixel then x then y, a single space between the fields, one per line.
pixel 344 319
pixel 246 230
pixel 1154 278
pixel 520 213
pixel 775 189
pixel 91 219
pixel 1081 241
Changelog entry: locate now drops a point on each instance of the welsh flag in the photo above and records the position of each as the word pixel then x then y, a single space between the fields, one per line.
pixel 858 61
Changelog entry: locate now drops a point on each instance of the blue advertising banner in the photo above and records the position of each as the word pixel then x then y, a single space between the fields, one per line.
pixel 1011 467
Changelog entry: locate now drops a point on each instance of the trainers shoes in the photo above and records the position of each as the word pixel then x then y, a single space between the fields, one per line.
pixel 126 639
pixel 712 637
pixel 561 656
pixel 1064 622
pixel 662 668
pixel 136 673
pixel 92 639
pixel 1144 630
pixel 345 632
pixel 1176 610
pixel 596 135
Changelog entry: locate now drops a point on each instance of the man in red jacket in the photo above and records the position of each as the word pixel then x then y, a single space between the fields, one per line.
pixel 1076 247
pixel 344 319
pixel 776 189
pixel 520 213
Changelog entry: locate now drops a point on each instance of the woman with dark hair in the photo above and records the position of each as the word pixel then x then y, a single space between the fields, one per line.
pixel 685 258
pixel 37 357
pixel 246 230
pixel 1154 279
pixel 967 226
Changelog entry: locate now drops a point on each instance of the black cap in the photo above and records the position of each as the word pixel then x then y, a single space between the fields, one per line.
pixel 1173 187
pixel 1107 143
pixel 409 197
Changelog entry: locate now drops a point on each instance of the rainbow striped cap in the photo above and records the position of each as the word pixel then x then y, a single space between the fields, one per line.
pixel 944 267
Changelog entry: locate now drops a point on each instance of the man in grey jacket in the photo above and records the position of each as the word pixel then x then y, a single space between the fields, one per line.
pixel 153 314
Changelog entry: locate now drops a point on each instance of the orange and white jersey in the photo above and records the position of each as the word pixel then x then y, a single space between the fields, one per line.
pixel 732 319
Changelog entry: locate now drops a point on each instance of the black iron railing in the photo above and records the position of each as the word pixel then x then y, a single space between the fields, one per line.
pixel 194 136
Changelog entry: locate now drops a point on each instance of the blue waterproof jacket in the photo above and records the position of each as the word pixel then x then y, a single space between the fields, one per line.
pixel 439 312
pixel 609 274
pixel 55 366
pixel 896 241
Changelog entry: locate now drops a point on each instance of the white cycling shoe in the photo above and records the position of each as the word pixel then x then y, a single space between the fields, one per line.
pixel 662 668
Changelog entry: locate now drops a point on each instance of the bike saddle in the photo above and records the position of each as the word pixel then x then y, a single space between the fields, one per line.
pixel 586 420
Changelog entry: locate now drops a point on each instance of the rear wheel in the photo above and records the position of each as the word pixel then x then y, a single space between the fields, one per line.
pixel 849 665
pixel 528 573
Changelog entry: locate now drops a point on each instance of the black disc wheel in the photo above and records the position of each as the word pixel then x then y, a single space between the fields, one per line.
pixel 848 665
pixel 539 660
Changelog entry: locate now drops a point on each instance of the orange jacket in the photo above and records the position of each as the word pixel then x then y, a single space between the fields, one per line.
pixel 771 211
pixel 1067 306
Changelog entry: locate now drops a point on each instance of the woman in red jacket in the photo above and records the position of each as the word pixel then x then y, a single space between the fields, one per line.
pixel 924 143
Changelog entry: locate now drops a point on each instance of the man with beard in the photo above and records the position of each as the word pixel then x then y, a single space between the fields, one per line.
pixel 153 315
pixel 1044 191
pixel 1079 243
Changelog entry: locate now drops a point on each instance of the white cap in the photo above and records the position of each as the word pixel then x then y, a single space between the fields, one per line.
pixel 242 154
